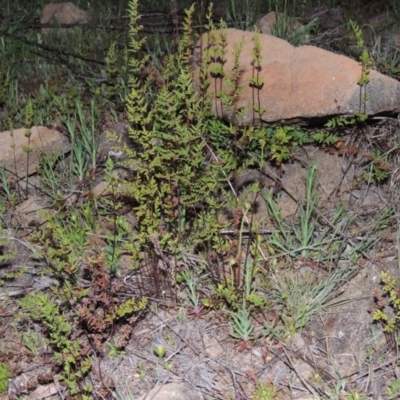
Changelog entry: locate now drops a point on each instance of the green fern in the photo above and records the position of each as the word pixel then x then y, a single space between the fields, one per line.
pixel 169 125
pixel 325 138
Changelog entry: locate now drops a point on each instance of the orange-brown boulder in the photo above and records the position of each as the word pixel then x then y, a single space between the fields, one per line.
pixel 22 148
pixel 299 83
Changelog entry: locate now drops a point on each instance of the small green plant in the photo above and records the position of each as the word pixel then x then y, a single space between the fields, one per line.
pixel 115 88
pixel 300 240
pixel 377 167
pixel 7 194
pixel 141 369
pixel 251 264
pixel 342 121
pixel 7 253
pixel 325 138
pixel 366 67
pixel 159 348
pixel 286 27
pixel 243 13
pixel 257 80
pixel 296 241
pixel 391 288
pixel 283 140
pixel 393 388
pixel 300 297
pixel 160 351
pixel 83 161
pixel 31 341
pixel 356 396
pixel 386 55
pixel 340 391
pixel 242 325
pixel 114 350
pixel 5 374
pixel 228 293
pixel 68 352
pixel 65 240
pixel 265 391
pixel 195 305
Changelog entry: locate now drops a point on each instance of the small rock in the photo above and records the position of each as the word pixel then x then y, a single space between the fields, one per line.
pixel 303 371
pixel 345 331
pixel 26 212
pixel 172 391
pixel 42 392
pixel 63 13
pixel 368 197
pixel 111 141
pixel 30 205
pixel 330 180
pixel 101 189
pixel 212 346
pixel 32 183
pixel 298 343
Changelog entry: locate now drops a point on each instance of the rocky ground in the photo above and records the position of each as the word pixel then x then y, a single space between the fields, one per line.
pixel 339 347
pixel 340 354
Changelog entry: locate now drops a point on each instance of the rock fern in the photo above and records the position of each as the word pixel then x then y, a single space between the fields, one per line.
pixel 169 126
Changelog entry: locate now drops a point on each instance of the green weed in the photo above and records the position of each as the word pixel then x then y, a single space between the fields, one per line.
pixel 83 161
pixel 68 352
pixel 366 67
pixel 74 258
pixel 8 194
pixel 393 388
pixel 7 252
pixel 386 56
pixel 377 168
pixel 391 288
pixel 340 390
pixel 300 297
pixel 243 14
pixel 241 323
pixel 31 341
pixel 300 241
pixel 325 138
pixel 282 141
pixel 5 374
pixel 265 391
pixel 286 26
pixel 195 305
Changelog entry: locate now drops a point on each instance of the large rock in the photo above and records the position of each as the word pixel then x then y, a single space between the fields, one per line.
pixel 22 148
pixel 63 14
pixel 300 83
